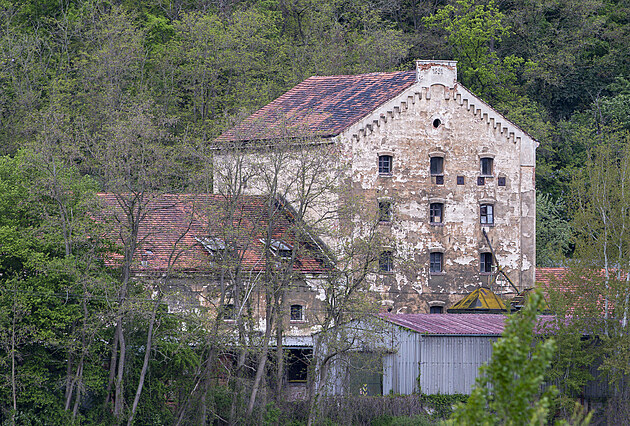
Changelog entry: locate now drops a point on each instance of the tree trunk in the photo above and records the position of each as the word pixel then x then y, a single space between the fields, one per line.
pixel 13 378
pixel 113 361
pixel 118 390
pixel 145 364
pixel 262 362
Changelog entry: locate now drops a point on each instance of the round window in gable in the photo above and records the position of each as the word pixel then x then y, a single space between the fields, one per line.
pixel 436 123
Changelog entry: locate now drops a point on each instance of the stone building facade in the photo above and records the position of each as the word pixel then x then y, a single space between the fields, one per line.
pixel 437 164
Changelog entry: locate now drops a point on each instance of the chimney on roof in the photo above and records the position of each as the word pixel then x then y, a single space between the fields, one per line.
pixel 433 72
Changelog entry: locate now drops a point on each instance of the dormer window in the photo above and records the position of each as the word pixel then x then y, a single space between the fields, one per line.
pixel 385 164
pixel 145 257
pixel 279 248
pixel 297 313
pixel 213 245
pixel 486 166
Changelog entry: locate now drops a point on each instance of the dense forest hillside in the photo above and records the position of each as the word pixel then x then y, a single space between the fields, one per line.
pixel 558 68
pixel 123 97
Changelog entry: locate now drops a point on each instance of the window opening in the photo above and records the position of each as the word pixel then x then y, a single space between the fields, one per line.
pixel 436 123
pixel 486 166
pixel 385 164
pixel 297 313
pixel 481 181
pixel 279 248
pixel 436 310
pixel 439 180
pixel 501 181
pixel 485 263
pixel 437 166
pixel 435 265
pixel 386 262
pixel 213 245
pixel 384 211
pixel 298 361
pixel 436 213
pixel 460 180
pixel 486 213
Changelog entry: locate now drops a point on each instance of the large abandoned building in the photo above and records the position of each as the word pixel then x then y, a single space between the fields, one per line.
pixel 438 166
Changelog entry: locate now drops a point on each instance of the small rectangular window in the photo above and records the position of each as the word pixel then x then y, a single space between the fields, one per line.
pixel 460 180
pixel 435 266
pixel 481 181
pixel 386 262
pixel 439 180
pixel 297 313
pixel 501 181
pixel 486 213
pixel 485 263
pixel 436 310
pixel 486 166
pixel 437 166
pixel 436 213
pixel 384 211
pixel 384 164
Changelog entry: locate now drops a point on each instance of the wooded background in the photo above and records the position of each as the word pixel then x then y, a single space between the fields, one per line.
pixel 124 97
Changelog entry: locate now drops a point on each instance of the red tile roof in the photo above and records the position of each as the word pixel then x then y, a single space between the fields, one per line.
pixel 175 223
pixel 547 276
pixel 321 106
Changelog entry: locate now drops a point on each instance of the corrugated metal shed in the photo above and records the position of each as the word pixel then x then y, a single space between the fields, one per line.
pixel 436 353
pixel 439 353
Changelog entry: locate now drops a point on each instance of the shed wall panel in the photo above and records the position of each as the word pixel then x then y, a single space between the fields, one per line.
pixel 450 364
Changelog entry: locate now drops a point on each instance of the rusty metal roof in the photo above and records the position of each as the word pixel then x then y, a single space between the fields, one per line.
pixel 480 300
pixel 453 324
pixel 464 324
pixel 321 106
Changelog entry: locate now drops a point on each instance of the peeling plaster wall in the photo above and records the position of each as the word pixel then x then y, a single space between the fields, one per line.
pixel 404 128
pixel 469 130
pixel 200 292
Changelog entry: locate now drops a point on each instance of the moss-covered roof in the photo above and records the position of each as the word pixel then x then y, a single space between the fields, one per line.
pixel 482 300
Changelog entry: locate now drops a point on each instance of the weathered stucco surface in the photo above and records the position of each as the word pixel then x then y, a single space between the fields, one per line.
pixel 468 130
pixel 405 127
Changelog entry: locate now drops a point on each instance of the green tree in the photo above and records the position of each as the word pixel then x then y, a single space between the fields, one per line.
pixel 553 232
pixel 509 385
pixel 473 33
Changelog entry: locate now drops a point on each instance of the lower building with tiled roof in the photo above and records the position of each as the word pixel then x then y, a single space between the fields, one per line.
pixel 201 246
